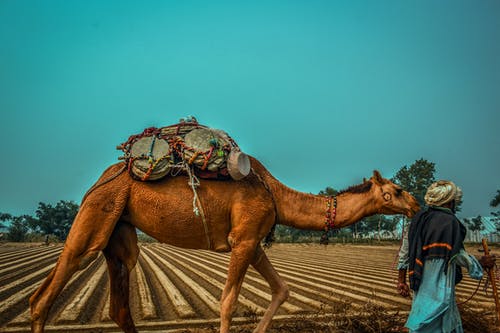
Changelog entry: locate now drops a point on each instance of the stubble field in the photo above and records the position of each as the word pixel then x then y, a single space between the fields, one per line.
pixel 177 290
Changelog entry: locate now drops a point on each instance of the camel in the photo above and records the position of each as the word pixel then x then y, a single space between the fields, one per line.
pixel 237 215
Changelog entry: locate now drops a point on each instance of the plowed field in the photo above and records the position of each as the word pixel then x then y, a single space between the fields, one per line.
pixel 173 288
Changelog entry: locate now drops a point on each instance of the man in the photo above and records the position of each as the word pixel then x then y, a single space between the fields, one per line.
pixel 433 254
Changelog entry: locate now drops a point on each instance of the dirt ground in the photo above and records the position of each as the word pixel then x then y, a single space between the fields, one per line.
pixel 338 288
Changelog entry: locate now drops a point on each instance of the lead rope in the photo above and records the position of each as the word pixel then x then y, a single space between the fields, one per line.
pixel 194 182
pixel 474 293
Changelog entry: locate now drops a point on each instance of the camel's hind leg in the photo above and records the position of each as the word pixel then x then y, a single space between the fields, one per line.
pixel 279 288
pixel 241 257
pixel 89 234
pixel 121 255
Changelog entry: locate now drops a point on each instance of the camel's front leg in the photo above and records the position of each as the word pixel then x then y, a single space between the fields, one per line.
pixel 241 257
pixel 279 288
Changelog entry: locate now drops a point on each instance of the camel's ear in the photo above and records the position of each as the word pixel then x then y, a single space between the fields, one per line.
pixel 377 178
pixel 364 180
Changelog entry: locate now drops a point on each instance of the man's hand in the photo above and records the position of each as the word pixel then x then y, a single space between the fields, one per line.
pixel 488 261
pixel 403 289
pixel 402 286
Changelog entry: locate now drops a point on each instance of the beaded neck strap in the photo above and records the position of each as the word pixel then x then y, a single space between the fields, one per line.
pixel 331 213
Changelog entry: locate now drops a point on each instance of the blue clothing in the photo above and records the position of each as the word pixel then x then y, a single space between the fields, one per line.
pixel 434 308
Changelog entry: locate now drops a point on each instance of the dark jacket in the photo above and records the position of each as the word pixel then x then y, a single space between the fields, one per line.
pixel 434 233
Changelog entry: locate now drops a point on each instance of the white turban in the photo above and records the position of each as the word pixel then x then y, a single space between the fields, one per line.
pixel 442 192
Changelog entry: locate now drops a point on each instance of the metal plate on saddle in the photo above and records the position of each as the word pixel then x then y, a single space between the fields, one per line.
pixel 150 158
pixel 206 148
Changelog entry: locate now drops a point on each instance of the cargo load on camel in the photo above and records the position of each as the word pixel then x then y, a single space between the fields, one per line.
pixel 187 146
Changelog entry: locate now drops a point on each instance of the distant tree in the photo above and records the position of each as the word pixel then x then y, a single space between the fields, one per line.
pixel 4 217
pixel 376 224
pixel 54 220
pixel 495 202
pixel 368 225
pixel 416 178
pixel 328 191
pixel 389 223
pixel 475 223
pixel 18 229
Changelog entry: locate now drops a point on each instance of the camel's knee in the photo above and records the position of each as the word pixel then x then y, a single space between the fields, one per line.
pixel 282 293
pixel 131 259
pixel 33 299
pixel 68 263
pixel 227 309
pixel 119 309
pixel 114 314
pixel 36 326
pixel 123 320
pixel 33 302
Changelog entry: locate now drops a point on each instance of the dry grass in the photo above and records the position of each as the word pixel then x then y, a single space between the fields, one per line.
pixel 474 320
pixel 342 317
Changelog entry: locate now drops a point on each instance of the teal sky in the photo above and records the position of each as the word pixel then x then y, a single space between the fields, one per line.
pixel 322 92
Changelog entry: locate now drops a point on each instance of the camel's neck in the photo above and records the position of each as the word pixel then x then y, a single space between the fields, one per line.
pixel 308 211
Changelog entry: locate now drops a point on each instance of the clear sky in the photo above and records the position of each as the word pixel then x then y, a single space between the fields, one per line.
pixel 322 92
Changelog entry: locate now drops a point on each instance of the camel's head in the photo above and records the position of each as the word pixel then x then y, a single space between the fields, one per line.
pixel 391 198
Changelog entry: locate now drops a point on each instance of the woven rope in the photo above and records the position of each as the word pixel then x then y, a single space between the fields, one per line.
pixel 194 182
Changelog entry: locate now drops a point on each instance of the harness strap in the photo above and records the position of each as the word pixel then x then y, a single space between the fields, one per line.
pixel 124 167
pixel 269 239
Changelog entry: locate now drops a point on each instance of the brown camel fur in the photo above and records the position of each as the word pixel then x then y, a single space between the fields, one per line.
pixel 238 214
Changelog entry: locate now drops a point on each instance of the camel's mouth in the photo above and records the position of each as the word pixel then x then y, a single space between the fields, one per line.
pixel 412 211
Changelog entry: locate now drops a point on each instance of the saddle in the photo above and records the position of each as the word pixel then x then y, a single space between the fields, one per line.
pixel 158 152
